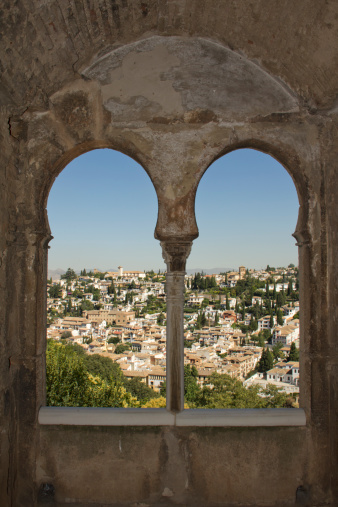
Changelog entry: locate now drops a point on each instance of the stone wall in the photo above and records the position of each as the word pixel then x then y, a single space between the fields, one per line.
pixel 175 85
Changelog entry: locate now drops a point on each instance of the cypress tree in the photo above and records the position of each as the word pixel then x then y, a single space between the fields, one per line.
pixel 294 353
pixel 268 305
pixel 269 359
pixel 290 290
pixel 243 311
pixel 266 361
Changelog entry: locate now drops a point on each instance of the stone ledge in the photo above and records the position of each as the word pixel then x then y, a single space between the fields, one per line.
pixel 91 416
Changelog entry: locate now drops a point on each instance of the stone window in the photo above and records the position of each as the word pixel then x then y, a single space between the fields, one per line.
pixel 175 254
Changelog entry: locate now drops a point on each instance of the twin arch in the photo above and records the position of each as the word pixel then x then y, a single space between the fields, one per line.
pixel 174 105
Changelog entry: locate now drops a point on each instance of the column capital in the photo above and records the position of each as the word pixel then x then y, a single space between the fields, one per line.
pixel 302 237
pixel 24 237
pixel 175 254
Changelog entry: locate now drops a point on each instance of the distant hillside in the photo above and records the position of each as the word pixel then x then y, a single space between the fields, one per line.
pixel 210 271
pixel 55 273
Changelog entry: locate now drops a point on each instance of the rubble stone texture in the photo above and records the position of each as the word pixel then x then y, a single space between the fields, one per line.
pixel 175 84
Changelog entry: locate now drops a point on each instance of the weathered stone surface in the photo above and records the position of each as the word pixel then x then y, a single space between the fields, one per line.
pixel 177 76
pixel 175 85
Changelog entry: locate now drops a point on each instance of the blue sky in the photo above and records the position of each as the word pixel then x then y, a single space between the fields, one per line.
pixel 102 212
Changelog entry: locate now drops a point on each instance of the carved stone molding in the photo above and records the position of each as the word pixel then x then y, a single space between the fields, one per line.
pixel 25 237
pixel 175 254
pixel 302 237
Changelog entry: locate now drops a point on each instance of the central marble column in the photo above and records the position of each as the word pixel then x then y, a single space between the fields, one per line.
pixel 175 254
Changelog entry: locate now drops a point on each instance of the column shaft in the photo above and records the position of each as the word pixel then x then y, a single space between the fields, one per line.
pixel 175 254
pixel 175 341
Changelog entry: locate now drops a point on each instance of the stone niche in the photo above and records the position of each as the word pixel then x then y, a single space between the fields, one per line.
pixel 175 91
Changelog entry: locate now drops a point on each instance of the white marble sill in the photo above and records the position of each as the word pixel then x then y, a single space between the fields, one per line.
pixel 246 417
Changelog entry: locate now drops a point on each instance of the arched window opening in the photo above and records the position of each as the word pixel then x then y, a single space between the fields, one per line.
pixel 106 308
pixel 242 289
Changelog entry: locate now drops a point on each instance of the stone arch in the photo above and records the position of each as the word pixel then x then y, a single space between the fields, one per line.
pixel 73 153
pixel 163 119
pixel 286 156
pixel 309 213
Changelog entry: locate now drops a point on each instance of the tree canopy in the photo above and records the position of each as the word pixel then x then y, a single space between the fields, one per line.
pixel 294 353
pixel 266 361
pixel 69 275
pixel 75 379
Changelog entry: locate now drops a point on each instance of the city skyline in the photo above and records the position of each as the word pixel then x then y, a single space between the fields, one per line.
pixel 103 208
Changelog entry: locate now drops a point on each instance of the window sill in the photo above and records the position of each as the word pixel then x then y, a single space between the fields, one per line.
pixel 250 417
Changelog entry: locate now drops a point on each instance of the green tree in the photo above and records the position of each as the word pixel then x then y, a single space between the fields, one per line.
pixel 69 306
pixel 227 392
pixel 274 292
pixel 261 340
pixel 279 317
pixel 55 291
pixel 69 275
pixel 122 347
pixel 266 361
pixel 253 324
pixel 111 288
pixel 281 299
pixel 160 319
pixel 294 353
pixel 86 305
pixel 191 388
pixel 114 340
pixel 276 350
pixel 290 289
pixel 227 304
pixel 67 379
pixel 159 402
pixel 70 384
pixel 243 311
pixel 274 397
pixel 66 334
pixel 100 366
pixel 201 320
pixel 140 391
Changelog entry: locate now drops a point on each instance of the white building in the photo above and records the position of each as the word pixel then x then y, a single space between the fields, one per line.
pixel 285 334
